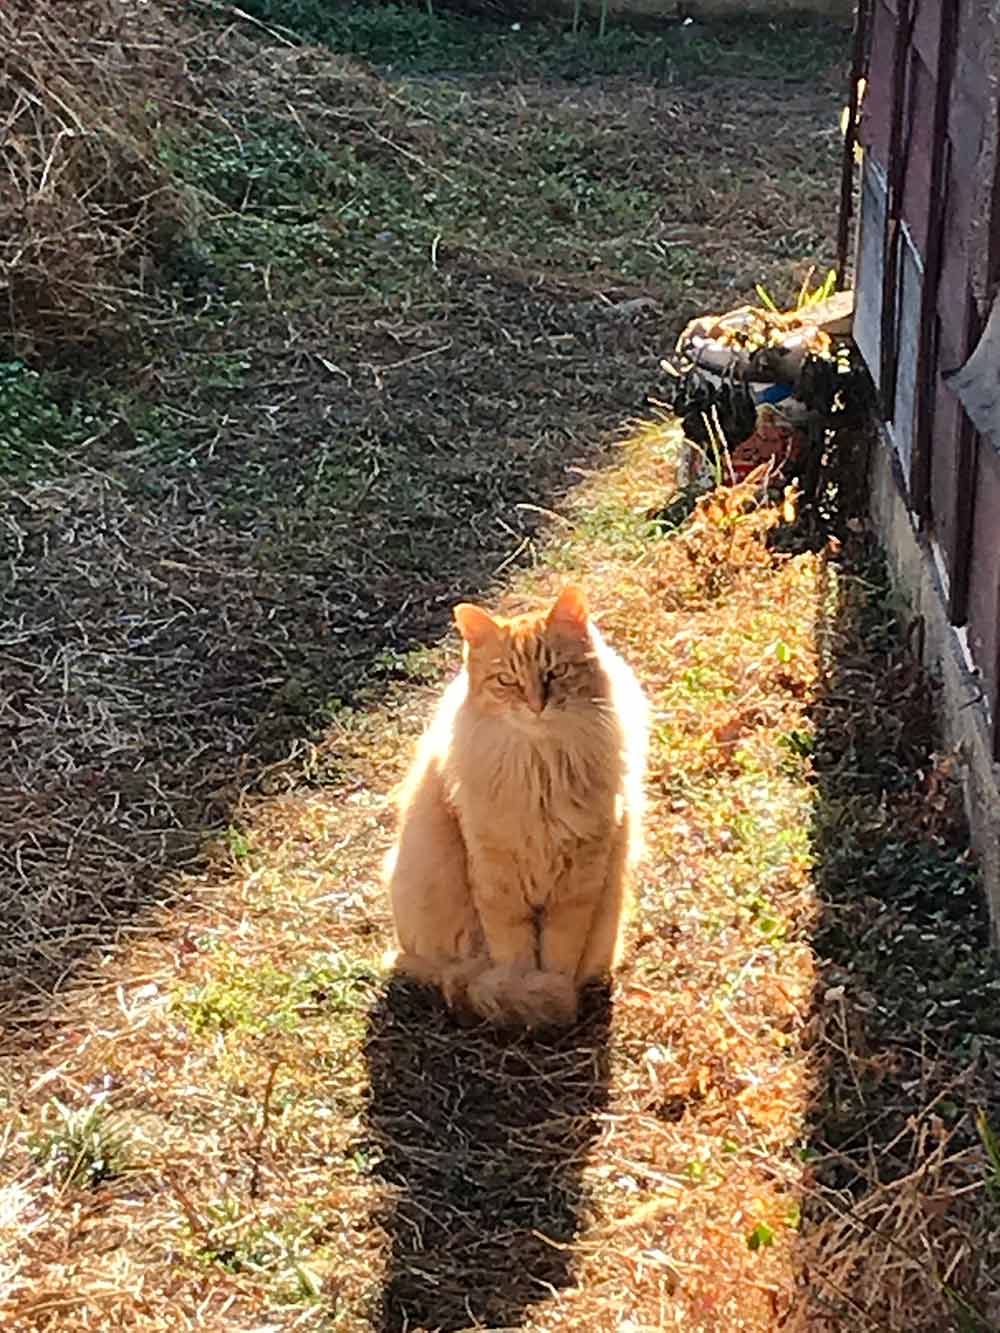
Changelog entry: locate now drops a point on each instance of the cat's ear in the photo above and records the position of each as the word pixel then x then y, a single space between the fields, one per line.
pixel 570 611
pixel 474 624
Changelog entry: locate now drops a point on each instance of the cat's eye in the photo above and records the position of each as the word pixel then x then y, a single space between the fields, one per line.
pixel 508 682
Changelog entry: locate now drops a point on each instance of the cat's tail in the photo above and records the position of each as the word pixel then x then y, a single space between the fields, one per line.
pixel 503 996
pixel 534 999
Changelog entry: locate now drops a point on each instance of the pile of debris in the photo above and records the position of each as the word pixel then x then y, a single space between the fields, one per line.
pixel 760 386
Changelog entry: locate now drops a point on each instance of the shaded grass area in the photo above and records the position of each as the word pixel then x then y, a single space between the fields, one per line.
pixel 417 39
pixel 904 1199
pixel 398 325
pixel 481 1147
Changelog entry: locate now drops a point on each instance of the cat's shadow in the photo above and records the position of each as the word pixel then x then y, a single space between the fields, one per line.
pixel 480 1137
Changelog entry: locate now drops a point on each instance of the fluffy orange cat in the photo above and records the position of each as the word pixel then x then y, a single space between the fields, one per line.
pixel 520 818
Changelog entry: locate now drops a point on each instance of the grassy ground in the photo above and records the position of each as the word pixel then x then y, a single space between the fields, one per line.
pixel 387 370
pixel 399 324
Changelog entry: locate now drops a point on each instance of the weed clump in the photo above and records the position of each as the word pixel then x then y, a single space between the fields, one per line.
pixel 82 1147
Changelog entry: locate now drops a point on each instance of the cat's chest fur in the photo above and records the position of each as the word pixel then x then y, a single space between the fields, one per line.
pixel 537 797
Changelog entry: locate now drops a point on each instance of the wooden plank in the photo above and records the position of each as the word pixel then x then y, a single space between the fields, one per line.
pixel 983 181
pixel 876 119
pixel 984 588
pixel 946 423
pixel 953 298
pixel 922 132
pixel 968 512
pixel 960 552
pixel 927 32
pixel 938 176
pixel 847 161
pixel 970 63
pixel 896 171
pixel 835 315
pixel 993 241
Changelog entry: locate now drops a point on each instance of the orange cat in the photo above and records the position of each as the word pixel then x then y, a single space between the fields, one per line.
pixel 520 818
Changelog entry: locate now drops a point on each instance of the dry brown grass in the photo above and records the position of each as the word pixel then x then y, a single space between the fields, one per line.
pixel 86 209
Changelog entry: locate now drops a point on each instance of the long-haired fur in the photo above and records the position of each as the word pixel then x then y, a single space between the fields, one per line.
pixel 520 819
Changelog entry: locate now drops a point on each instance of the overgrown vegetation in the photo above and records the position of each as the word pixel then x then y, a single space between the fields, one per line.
pixel 379 364
pixel 86 211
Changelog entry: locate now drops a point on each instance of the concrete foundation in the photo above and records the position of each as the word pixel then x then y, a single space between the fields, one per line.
pixel 965 722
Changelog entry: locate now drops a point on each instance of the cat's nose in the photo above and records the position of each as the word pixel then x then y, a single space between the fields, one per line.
pixel 535 699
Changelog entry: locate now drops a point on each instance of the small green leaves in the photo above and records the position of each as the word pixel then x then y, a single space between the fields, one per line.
pixel 761 1236
pixel 992 1146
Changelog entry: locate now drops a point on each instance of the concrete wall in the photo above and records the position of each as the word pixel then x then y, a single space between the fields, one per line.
pixel 963 715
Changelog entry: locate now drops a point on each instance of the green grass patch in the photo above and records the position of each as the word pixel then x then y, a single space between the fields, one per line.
pixel 262 997
pixel 83 1146
pixel 36 424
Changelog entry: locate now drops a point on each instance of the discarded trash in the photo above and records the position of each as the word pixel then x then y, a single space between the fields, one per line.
pixel 775 441
pixel 753 385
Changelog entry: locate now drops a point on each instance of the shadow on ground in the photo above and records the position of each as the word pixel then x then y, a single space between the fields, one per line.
pixel 899 1227
pixel 481 1138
